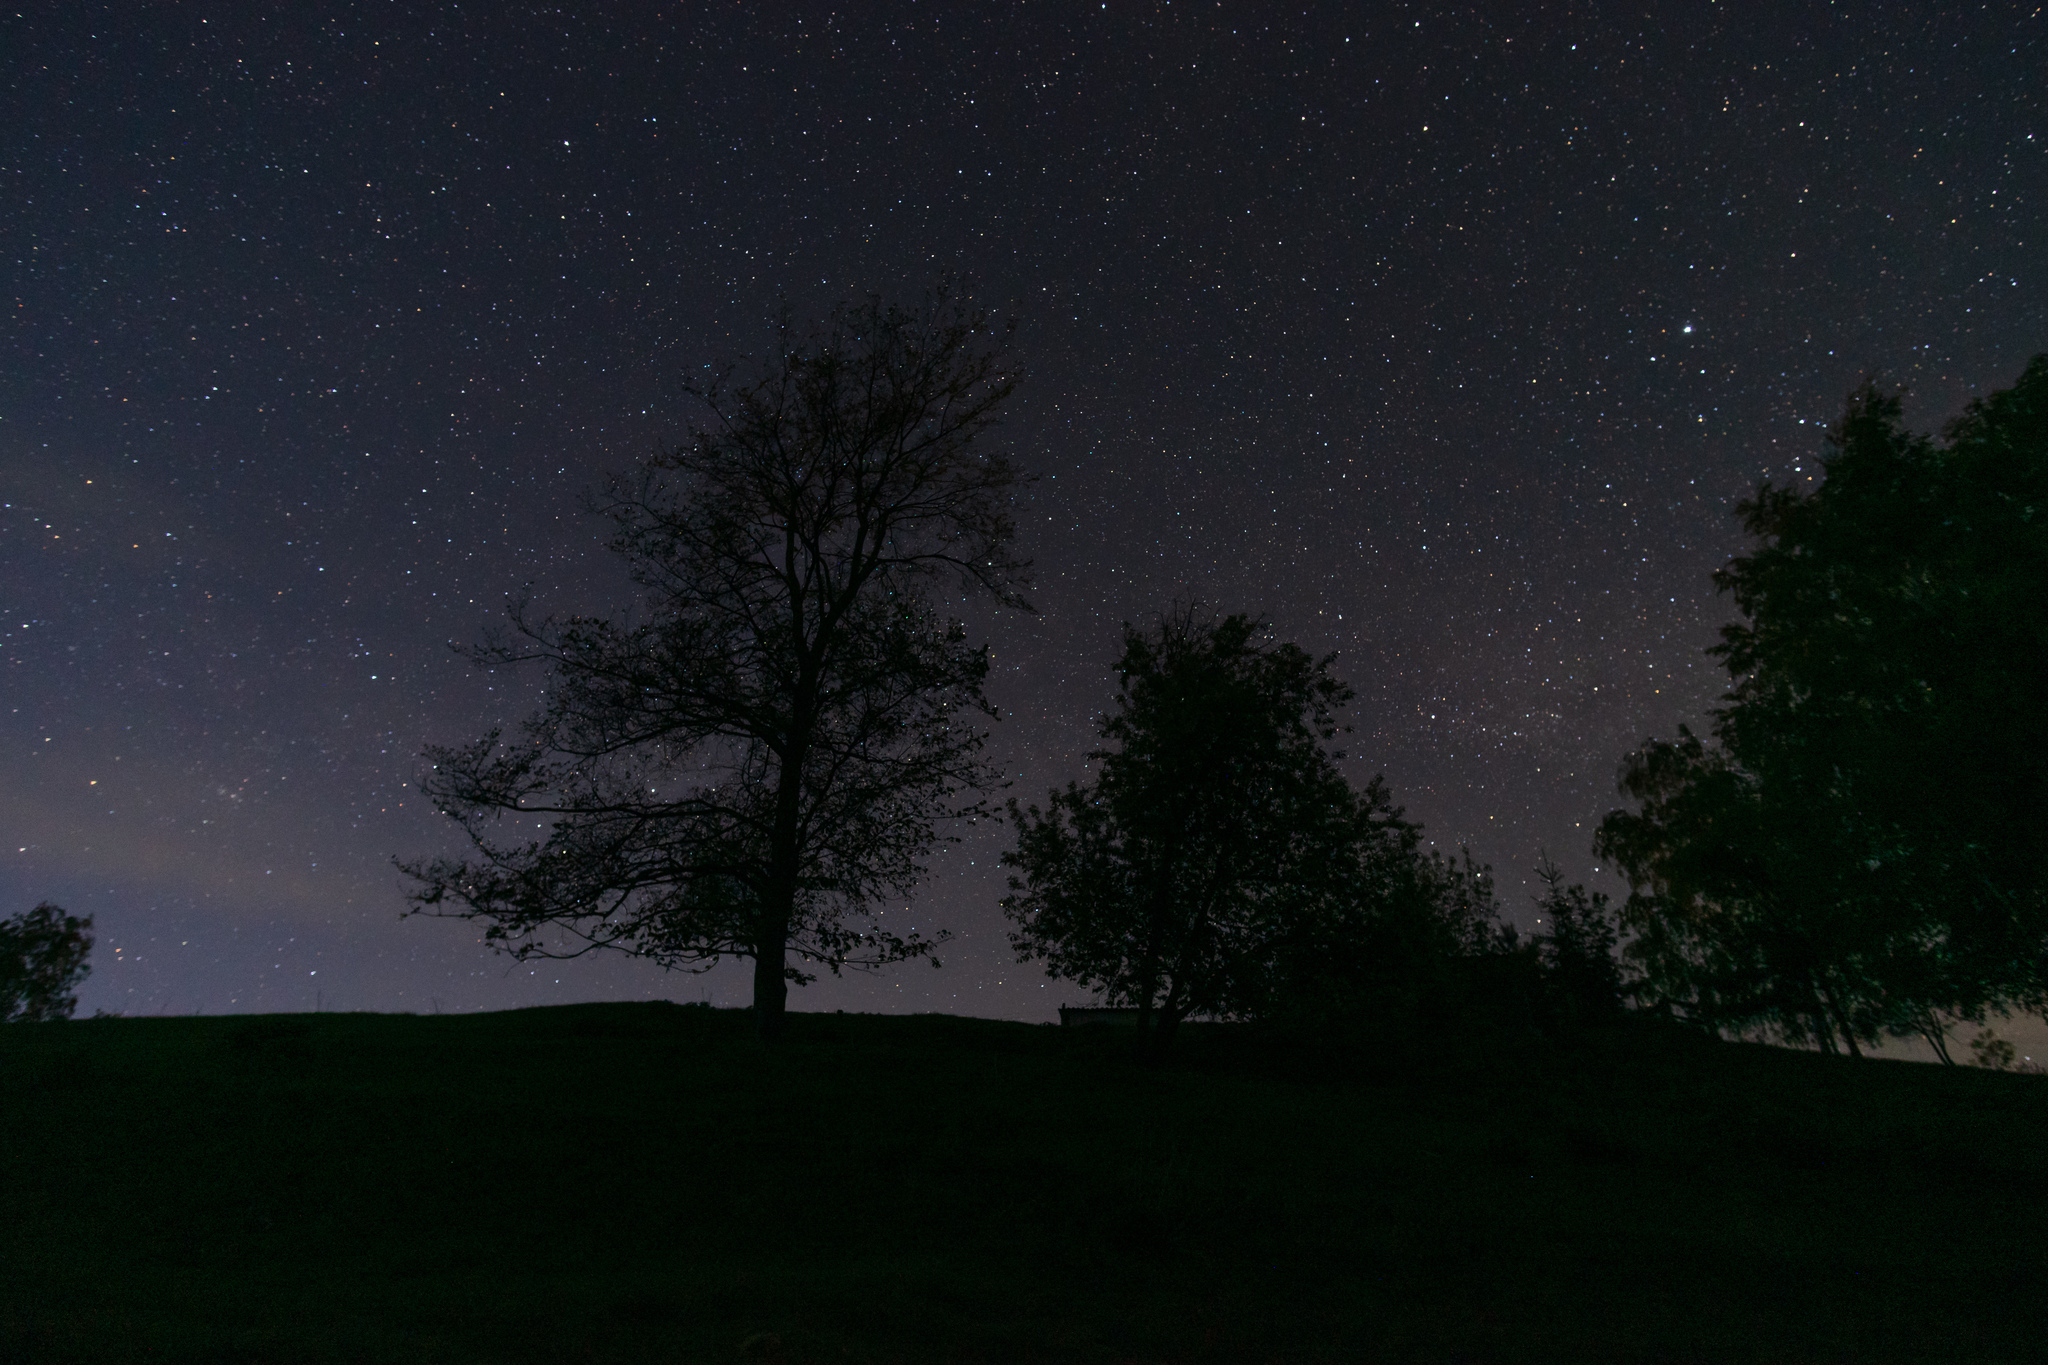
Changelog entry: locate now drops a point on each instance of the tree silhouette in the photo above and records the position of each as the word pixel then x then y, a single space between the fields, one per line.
pixel 43 956
pixel 1219 860
pixel 1855 851
pixel 1577 945
pixel 1743 914
pixel 1893 664
pixel 769 747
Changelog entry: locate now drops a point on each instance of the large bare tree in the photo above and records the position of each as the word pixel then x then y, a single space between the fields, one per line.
pixel 763 751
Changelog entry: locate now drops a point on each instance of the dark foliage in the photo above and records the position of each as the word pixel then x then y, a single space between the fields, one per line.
pixel 769 747
pixel 1425 949
pixel 1220 864
pixel 1856 849
pixel 43 956
pixel 1739 918
pixel 1577 945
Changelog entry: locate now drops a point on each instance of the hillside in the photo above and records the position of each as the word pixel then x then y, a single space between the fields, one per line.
pixel 648 1183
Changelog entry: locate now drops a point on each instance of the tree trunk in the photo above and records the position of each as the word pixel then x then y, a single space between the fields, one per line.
pixel 1155 950
pixel 1162 1033
pixel 1145 993
pixel 1154 1042
pixel 785 855
pixel 771 943
pixel 1937 1038
pixel 1817 1014
pixel 1841 1021
pixel 771 988
pixel 1823 1028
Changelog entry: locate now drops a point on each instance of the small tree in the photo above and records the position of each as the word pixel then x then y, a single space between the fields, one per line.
pixel 43 956
pixel 771 745
pixel 1577 945
pixel 1456 902
pixel 1219 851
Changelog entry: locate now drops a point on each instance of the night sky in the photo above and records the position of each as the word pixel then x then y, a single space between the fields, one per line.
pixel 1446 338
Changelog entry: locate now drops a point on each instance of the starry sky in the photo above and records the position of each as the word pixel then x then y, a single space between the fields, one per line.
pixel 1445 337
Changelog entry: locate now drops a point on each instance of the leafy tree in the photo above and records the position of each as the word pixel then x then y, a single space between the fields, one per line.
pixel 1854 852
pixel 1895 666
pixel 766 750
pixel 43 956
pixel 1219 863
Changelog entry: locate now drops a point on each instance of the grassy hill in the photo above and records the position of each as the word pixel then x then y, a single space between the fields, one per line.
pixel 648 1183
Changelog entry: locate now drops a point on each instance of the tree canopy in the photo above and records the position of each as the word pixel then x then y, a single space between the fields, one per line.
pixel 43 957
pixel 1576 942
pixel 767 748
pixel 1854 849
pixel 1219 863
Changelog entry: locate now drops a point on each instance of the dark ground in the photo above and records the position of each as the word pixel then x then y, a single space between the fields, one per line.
pixel 648 1183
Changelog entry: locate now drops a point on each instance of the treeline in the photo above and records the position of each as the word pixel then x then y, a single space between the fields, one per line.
pixel 1855 850
pixel 757 759
pixel 759 755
